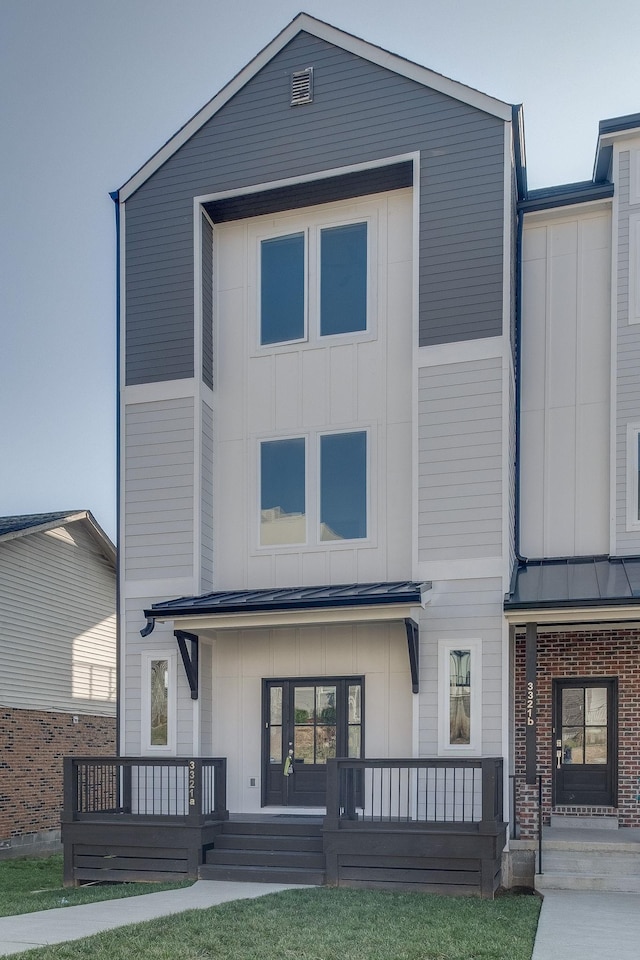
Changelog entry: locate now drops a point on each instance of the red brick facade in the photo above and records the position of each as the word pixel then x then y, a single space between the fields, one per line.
pixel 585 653
pixel 32 746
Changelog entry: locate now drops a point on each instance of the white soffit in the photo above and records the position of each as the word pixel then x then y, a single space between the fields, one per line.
pixel 376 613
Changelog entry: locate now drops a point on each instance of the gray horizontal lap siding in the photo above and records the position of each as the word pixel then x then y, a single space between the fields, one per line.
pixel 361 112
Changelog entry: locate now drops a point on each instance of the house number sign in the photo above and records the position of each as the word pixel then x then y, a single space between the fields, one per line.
pixel 531 657
pixel 192 783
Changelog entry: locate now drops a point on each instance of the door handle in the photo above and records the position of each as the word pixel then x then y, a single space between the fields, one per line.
pixel 558 759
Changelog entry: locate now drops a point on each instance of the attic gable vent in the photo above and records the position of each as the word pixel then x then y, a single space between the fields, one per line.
pixel 302 86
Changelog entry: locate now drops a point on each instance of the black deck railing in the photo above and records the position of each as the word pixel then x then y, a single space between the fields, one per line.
pixel 420 791
pixel 177 788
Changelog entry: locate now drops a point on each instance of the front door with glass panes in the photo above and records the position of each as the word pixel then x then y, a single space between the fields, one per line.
pixel 584 742
pixel 316 719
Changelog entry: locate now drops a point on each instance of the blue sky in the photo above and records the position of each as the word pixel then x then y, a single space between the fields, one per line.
pixel 91 88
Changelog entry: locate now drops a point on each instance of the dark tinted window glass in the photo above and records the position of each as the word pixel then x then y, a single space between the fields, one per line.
pixel 282 289
pixel 343 486
pixel 343 279
pixel 282 491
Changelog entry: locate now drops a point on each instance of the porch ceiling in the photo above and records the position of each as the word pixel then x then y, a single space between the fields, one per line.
pixel 575 589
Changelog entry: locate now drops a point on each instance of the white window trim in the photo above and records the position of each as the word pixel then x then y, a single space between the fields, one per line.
pixel 312 492
pixel 633 519
pixel 147 748
pixel 634 268
pixel 473 749
pixel 310 223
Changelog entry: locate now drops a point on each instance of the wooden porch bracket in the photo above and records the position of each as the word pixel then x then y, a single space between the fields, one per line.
pixel 413 642
pixel 191 662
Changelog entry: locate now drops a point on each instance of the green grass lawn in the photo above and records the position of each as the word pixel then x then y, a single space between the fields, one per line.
pixel 36 884
pixel 324 924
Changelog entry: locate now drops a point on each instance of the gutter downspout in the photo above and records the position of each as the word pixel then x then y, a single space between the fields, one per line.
pixel 115 196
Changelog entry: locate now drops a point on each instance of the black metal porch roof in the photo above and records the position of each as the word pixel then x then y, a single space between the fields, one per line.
pixel 292 598
pixel 574 582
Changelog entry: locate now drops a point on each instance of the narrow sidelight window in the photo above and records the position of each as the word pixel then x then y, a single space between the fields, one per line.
pixel 282 492
pixel 343 279
pixel 159 703
pixel 459 697
pixel 343 486
pixel 282 289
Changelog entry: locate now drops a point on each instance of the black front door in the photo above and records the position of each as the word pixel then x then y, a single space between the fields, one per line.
pixel 584 738
pixel 309 721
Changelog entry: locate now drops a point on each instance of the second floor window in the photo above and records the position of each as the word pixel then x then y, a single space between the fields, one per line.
pixel 296 510
pixel 313 283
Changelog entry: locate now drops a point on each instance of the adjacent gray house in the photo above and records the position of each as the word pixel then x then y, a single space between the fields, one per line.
pixel 330 396
pixel 58 678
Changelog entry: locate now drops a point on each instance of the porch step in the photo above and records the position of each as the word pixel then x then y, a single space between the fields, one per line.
pixel 584 865
pixel 269 850
pixel 262 874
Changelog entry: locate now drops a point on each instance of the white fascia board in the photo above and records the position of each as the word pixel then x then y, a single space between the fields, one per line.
pixel 622 614
pixel 375 613
pixel 94 528
pixel 324 31
pixel 460 351
pixel 568 212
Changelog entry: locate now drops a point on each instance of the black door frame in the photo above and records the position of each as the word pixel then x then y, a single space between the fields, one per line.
pixel 342 725
pixel 611 683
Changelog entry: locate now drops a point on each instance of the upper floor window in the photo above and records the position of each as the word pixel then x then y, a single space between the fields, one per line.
pixel 633 476
pixel 337 500
pixel 314 283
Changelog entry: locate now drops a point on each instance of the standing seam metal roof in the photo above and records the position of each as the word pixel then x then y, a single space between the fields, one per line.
pixel 574 581
pixel 293 598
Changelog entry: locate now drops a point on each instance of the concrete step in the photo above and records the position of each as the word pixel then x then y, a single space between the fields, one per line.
pixel 573 881
pixel 589 863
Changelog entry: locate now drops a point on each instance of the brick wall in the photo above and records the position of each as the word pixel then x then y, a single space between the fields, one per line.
pixel 585 653
pixel 32 746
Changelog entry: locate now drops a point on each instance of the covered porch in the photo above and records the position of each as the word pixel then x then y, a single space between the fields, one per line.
pixel 576 648
pixel 410 824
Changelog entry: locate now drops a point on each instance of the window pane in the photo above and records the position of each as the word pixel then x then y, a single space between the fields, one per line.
pixel 304 705
pixel 303 744
pixel 595 706
pixel 326 705
pixel 595 748
pixel 275 709
pixel 282 494
pixel 275 745
pixel 343 279
pixel 460 697
pixel 325 744
pixel 343 486
pixel 573 745
pixel 354 742
pixel 354 703
pixel 573 706
pixel 159 703
pixel 282 289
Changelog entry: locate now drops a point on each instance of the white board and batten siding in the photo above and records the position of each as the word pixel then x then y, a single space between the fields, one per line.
pixel 321 385
pixel 627 359
pixel 57 611
pixel 566 351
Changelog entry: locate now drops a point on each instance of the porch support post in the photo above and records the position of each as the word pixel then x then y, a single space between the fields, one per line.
pixel 190 662
pixel 413 642
pixel 531 660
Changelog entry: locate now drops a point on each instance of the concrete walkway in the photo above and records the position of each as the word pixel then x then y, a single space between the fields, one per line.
pixel 573 925
pixel 581 925
pixel 71 923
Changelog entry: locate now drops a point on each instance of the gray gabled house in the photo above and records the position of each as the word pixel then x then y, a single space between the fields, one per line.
pixel 320 312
